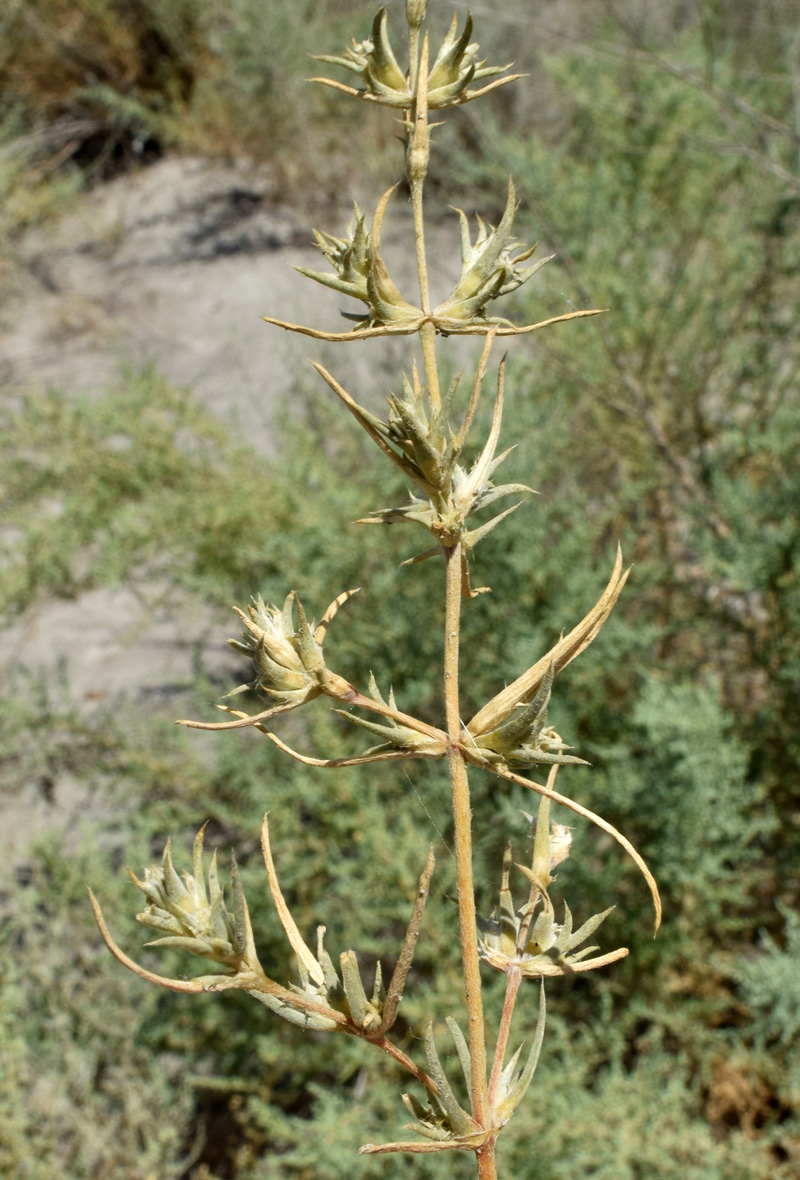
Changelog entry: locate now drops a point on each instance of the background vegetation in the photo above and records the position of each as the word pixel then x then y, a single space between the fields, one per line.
pixel 660 156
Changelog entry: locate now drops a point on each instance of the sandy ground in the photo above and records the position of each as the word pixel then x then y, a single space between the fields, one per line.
pixel 174 267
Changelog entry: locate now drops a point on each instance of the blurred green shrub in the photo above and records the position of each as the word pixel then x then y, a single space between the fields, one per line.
pixel 674 425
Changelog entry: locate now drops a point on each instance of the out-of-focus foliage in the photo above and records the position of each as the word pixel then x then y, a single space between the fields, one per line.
pixel 91 88
pixel 672 424
pixel 80 1085
pixel 678 417
pixel 105 82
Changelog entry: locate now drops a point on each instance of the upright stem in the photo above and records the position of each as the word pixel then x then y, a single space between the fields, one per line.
pixel 413 56
pixel 419 238
pixel 427 332
pixel 462 816
pixel 417 163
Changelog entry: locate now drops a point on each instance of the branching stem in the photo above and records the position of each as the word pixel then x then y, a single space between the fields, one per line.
pixel 513 980
pixel 403 1059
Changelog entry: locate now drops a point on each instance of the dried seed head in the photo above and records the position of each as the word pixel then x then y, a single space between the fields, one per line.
pixel 523 739
pixel 350 258
pixel 428 453
pixel 456 65
pixel 343 992
pixel 290 666
pixel 193 916
pixel 489 268
pixel 374 62
pixel 360 272
pixel 454 68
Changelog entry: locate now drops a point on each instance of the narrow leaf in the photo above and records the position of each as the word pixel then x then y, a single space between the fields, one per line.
pixel 459 1120
pixel 394 992
pixel 559 656
pixel 287 921
pixel 517 1091
pixel 586 930
pixel 197 866
pixel 462 1048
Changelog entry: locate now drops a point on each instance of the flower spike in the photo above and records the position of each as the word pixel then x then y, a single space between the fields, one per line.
pixel 529 940
pixel 288 659
pixel 489 268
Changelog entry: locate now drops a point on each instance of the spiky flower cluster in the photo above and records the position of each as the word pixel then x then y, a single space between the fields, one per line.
pixel 191 916
pixel 374 62
pixel 421 441
pixel 528 939
pixel 490 268
pixel 429 439
pixel 288 658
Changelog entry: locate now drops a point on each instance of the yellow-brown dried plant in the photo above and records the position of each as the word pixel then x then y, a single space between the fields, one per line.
pixel 424 434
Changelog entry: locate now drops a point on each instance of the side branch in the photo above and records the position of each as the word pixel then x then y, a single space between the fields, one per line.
pixel 447 327
pixel 579 809
pixel 394 992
